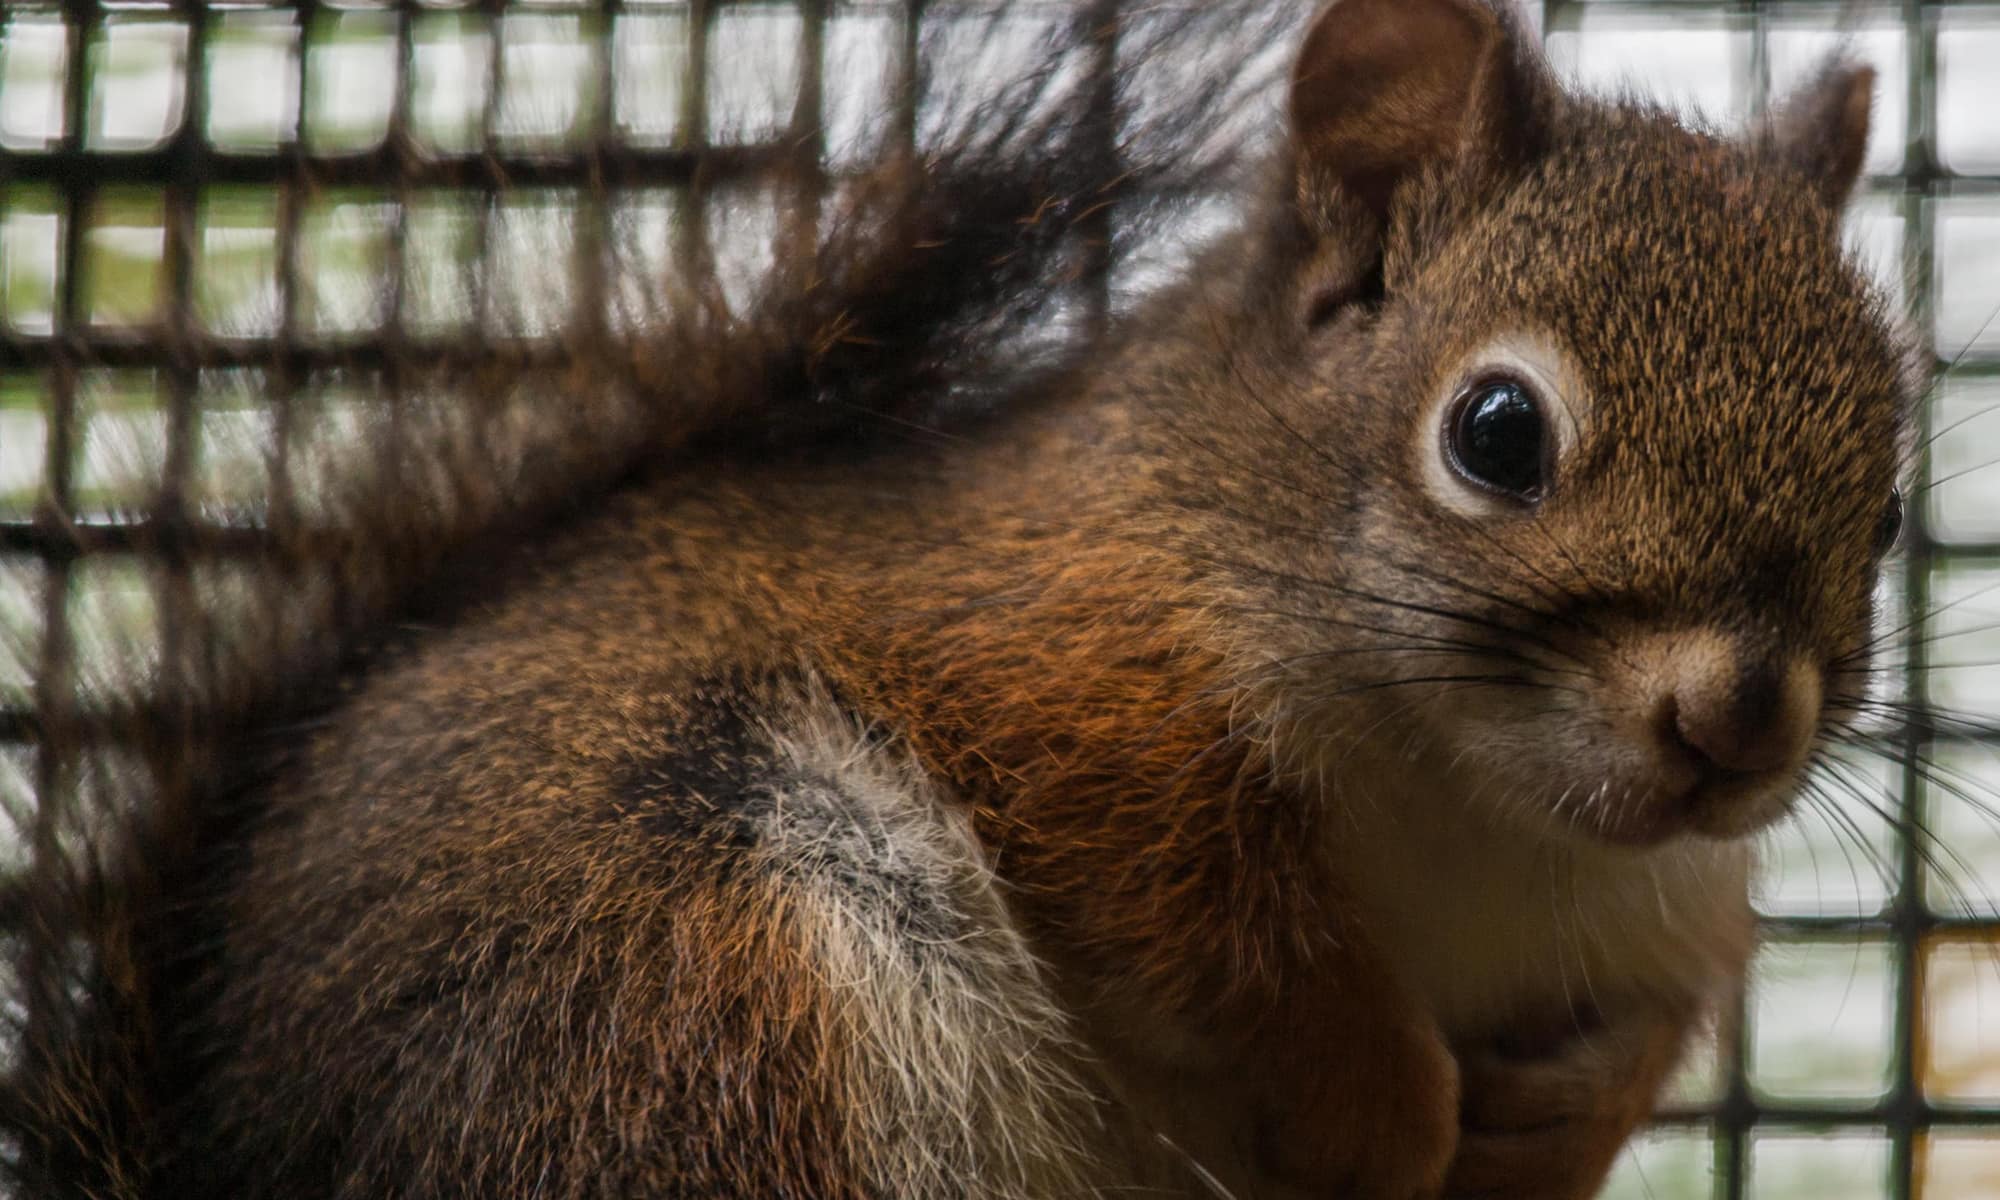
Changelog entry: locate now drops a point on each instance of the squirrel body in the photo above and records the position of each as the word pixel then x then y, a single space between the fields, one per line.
pixel 1304 749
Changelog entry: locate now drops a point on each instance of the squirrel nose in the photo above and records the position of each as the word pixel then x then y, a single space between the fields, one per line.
pixel 1740 713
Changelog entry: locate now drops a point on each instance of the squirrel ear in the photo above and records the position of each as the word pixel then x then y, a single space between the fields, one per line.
pixel 1821 130
pixel 1384 91
pixel 1385 88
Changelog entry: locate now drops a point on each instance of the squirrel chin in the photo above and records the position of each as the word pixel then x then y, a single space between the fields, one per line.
pixel 1715 807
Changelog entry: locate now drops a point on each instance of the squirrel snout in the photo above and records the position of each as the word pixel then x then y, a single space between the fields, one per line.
pixel 1725 709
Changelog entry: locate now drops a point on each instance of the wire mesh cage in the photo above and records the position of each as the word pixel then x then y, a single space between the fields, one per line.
pixel 200 203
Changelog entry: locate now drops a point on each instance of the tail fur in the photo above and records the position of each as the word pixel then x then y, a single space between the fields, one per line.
pixel 978 257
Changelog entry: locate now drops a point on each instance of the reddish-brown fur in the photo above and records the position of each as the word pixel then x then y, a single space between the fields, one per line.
pixel 1066 679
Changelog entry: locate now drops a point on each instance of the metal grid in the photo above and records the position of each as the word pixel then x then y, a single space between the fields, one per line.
pixel 195 200
pixel 147 150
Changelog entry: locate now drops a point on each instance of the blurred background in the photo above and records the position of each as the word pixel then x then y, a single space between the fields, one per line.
pixel 218 221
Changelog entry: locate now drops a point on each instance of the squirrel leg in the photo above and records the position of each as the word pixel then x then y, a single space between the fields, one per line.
pixel 1549 1125
pixel 1275 1044
pixel 747 958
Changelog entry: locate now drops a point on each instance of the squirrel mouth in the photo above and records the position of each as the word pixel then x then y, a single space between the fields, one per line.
pixel 1734 804
pixel 1717 805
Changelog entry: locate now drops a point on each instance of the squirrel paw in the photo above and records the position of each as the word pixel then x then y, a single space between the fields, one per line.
pixel 1385 1134
pixel 1549 1124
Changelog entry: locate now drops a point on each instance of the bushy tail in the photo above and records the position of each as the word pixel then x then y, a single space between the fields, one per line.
pixel 980 252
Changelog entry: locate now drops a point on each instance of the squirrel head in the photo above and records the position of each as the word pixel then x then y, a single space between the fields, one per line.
pixel 1556 444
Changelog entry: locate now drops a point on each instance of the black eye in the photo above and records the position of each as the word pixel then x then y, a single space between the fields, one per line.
pixel 1495 437
pixel 1891 523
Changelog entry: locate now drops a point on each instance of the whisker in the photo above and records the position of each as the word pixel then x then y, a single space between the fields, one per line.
pixel 1938 856
pixel 1977 336
pixel 1924 715
pixel 1276 668
pixel 1357 740
pixel 1961 473
pixel 1430 610
pixel 1487 680
pixel 1876 642
pixel 1844 825
pixel 1468 647
pixel 1963 421
pixel 1556 591
pixel 1236 465
pixel 1564 617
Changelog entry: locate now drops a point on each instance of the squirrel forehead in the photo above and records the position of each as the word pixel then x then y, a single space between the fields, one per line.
pixel 1692 283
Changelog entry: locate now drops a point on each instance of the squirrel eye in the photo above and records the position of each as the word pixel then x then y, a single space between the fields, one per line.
pixel 1494 438
pixel 1891 523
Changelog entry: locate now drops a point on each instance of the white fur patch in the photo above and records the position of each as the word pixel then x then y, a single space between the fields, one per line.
pixel 1489 922
pixel 976 1080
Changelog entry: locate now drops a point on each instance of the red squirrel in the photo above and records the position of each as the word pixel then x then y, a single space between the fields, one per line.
pixel 1302 739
